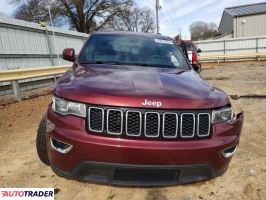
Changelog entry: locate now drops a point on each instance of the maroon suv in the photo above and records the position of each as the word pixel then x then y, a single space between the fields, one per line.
pixel 132 110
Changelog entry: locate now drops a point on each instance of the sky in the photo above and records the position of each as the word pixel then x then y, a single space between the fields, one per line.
pixel 6 8
pixel 175 16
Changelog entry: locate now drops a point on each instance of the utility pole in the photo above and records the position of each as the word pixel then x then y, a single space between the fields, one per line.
pixel 157 7
pixel 51 23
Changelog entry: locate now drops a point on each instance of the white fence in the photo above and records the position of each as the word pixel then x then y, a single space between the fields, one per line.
pixel 232 46
pixel 24 44
pixel 28 45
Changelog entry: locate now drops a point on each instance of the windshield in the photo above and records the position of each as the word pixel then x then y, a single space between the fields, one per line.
pixel 133 50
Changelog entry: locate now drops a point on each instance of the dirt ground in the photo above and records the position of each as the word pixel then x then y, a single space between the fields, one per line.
pixel 245 178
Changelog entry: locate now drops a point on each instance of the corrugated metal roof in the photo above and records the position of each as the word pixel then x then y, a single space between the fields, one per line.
pixel 250 9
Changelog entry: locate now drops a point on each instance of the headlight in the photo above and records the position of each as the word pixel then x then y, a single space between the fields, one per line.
pixel 222 115
pixel 65 107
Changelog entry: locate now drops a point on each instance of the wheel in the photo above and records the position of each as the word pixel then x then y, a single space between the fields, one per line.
pixel 41 142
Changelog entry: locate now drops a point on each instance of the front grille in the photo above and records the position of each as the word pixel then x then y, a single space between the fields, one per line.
pixel 133 123
pixel 170 125
pixel 130 122
pixel 152 124
pixel 203 124
pixel 96 116
pixel 146 175
pixel 187 125
pixel 114 121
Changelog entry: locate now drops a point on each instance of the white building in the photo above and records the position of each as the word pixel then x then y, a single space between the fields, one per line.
pixel 244 21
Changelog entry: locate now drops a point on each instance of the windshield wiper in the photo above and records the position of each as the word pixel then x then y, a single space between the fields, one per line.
pixel 103 62
pixel 134 64
pixel 154 65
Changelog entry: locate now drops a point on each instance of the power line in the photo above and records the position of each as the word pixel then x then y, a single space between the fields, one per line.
pixel 160 17
pixel 168 19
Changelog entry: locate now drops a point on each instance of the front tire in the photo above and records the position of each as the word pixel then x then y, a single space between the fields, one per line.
pixel 41 142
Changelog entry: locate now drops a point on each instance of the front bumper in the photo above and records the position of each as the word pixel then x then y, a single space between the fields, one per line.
pixel 134 161
pixel 151 175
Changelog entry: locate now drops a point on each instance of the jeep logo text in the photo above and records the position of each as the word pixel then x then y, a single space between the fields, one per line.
pixel 152 103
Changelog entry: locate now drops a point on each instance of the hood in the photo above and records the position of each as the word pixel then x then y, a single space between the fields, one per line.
pixel 132 86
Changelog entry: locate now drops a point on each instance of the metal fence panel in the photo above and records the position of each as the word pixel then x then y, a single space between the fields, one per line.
pixel 24 44
pixel 262 45
pixel 241 46
pixel 14 41
pixel 232 46
pixel 28 45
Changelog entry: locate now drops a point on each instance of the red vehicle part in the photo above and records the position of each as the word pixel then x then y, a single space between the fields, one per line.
pixel 112 160
pixel 108 92
pixel 194 58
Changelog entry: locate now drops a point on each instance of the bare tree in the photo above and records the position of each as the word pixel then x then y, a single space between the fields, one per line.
pixel 147 23
pixel 36 11
pixel 82 15
pixel 133 19
pixel 203 30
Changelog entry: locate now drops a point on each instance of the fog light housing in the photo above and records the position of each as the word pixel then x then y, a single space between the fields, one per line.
pixel 60 146
pixel 228 152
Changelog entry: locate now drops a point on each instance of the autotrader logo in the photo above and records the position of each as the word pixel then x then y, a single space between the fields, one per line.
pixel 27 193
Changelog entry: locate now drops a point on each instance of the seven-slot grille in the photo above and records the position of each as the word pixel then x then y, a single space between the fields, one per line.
pixel 149 123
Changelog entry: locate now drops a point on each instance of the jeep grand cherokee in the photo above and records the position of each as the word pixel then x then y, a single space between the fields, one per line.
pixel 132 110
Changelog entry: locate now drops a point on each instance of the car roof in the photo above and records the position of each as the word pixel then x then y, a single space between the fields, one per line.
pixel 152 35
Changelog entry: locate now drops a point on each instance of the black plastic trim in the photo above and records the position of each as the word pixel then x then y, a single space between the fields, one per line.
pixel 184 173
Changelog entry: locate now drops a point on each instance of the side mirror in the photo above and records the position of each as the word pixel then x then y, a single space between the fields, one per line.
pixel 197 67
pixel 199 51
pixel 69 54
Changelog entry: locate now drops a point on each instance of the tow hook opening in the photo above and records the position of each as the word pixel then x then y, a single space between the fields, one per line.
pixel 60 146
pixel 228 152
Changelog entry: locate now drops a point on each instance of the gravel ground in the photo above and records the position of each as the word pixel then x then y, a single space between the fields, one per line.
pixel 245 178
